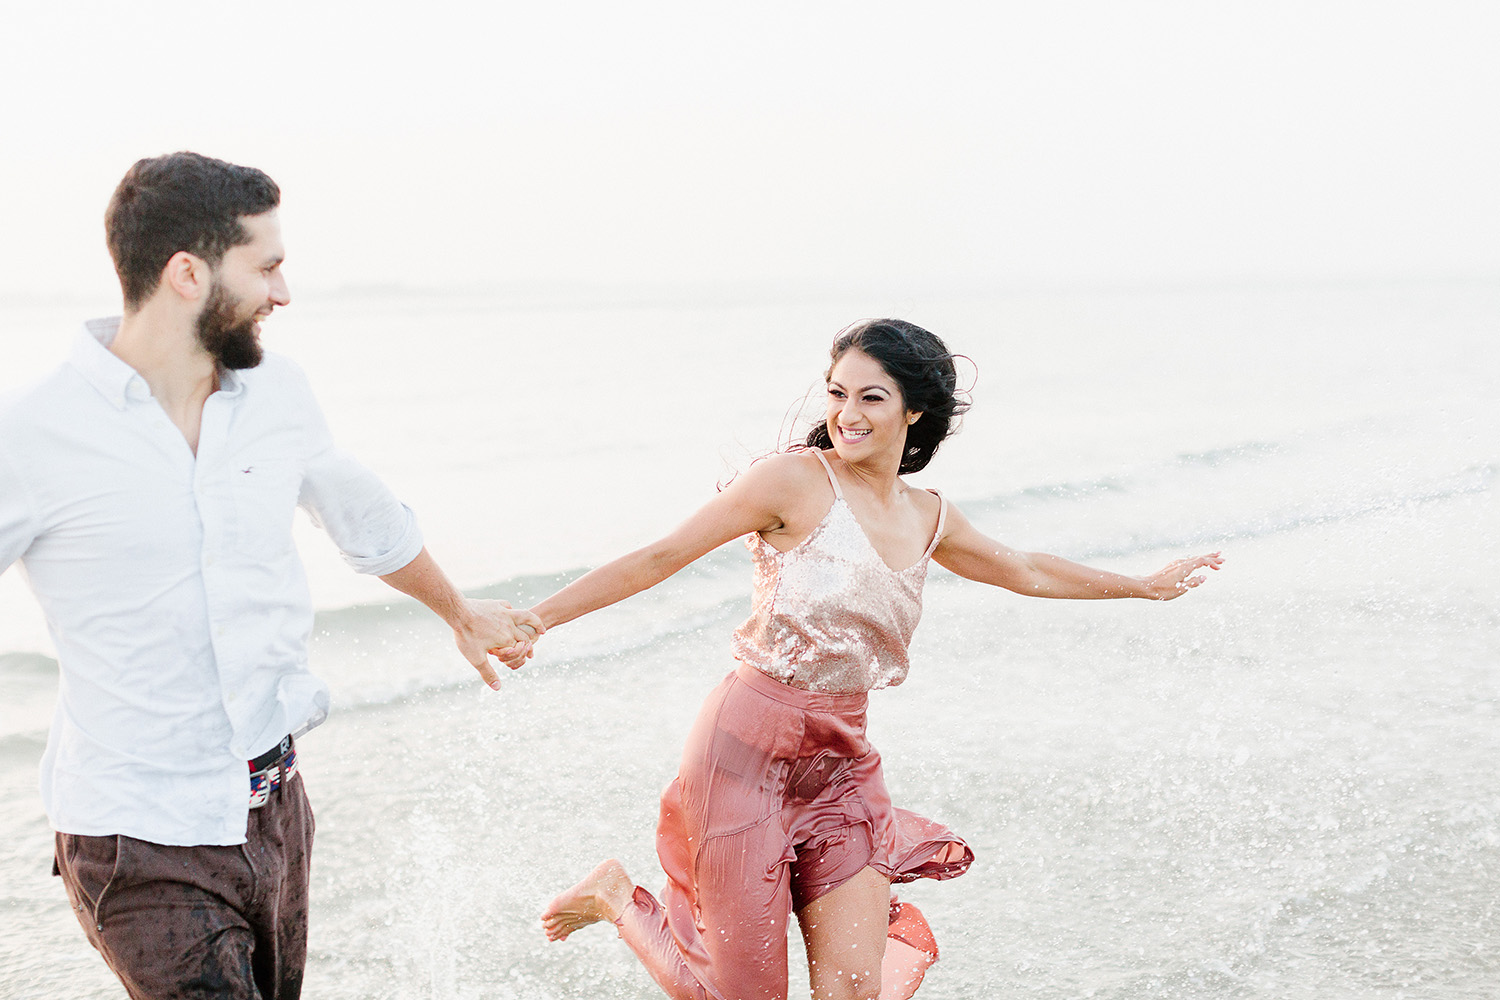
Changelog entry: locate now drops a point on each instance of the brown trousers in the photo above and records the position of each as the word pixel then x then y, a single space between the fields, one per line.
pixel 174 923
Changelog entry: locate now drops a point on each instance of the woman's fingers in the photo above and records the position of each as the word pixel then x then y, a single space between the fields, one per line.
pixel 1179 573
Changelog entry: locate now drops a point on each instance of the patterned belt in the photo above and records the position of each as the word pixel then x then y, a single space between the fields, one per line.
pixel 270 769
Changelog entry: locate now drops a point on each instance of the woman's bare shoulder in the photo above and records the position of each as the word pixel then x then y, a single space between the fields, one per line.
pixel 793 484
pixel 789 469
pixel 929 504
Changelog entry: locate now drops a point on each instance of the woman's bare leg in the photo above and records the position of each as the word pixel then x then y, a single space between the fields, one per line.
pixel 845 934
pixel 603 895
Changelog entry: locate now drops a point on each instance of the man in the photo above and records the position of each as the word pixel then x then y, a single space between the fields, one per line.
pixel 148 487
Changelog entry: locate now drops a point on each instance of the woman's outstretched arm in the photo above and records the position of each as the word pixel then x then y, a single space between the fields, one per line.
pixel 974 556
pixel 755 501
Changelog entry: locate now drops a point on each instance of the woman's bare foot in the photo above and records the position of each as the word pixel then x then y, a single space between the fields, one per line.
pixel 602 895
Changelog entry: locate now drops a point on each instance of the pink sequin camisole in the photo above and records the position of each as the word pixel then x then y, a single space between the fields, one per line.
pixel 828 614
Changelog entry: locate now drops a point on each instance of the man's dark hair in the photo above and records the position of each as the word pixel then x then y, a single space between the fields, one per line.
pixel 181 201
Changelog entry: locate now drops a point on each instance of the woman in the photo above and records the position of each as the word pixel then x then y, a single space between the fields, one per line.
pixel 779 805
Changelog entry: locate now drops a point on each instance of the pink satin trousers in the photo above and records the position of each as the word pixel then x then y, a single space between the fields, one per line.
pixel 778 800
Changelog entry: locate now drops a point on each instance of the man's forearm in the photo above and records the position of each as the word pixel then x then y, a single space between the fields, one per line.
pixel 424 579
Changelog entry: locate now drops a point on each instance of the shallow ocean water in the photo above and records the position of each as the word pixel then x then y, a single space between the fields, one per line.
pixel 1279 786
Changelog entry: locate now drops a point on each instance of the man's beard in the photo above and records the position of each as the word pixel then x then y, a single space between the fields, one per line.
pixel 233 345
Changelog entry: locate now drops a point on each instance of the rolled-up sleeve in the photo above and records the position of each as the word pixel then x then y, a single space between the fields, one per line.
pixel 376 533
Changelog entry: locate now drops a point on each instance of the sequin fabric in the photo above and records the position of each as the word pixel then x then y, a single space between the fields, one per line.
pixel 828 614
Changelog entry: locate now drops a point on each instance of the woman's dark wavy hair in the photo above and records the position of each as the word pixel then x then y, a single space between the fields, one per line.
pixel 924 370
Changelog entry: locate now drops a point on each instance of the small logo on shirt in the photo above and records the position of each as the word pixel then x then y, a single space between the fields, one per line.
pixel 247 470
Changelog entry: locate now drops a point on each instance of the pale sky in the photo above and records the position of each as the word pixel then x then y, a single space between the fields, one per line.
pixel 441 144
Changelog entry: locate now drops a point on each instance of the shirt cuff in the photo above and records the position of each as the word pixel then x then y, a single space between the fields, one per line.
pixel 403 552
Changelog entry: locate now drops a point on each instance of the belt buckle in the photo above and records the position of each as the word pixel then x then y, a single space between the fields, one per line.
pixel 264 782
pixel 260 789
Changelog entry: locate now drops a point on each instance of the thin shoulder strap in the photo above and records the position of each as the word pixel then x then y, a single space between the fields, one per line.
pixel 937 536
pixel 837 492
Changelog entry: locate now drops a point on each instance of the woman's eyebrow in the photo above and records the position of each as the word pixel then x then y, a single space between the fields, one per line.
pixel 834 383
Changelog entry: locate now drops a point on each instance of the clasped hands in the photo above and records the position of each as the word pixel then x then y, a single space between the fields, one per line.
pixel 518 654
pixel 490 627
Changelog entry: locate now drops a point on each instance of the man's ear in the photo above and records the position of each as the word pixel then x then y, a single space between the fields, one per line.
pixel 188 275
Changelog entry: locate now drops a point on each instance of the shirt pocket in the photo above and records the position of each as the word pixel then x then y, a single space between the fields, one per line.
pixel 263 497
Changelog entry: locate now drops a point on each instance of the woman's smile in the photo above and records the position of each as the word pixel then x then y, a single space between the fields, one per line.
pixel 865 407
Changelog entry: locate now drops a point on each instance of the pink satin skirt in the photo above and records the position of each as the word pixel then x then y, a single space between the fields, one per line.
pixel 779 799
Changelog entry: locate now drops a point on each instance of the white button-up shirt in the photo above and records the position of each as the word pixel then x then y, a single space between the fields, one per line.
pixel 171 585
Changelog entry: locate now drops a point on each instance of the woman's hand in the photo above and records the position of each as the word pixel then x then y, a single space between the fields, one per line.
pixel 527 624
pixel 1177 578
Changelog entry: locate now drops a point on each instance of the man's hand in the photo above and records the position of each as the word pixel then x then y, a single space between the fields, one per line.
pixel 479 627
pixel 495 627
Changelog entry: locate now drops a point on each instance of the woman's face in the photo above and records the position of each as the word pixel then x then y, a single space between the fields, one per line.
pixel 866 416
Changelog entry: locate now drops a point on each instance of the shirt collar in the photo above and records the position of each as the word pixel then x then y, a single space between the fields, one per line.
pixel 117 381
pixel 231 382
